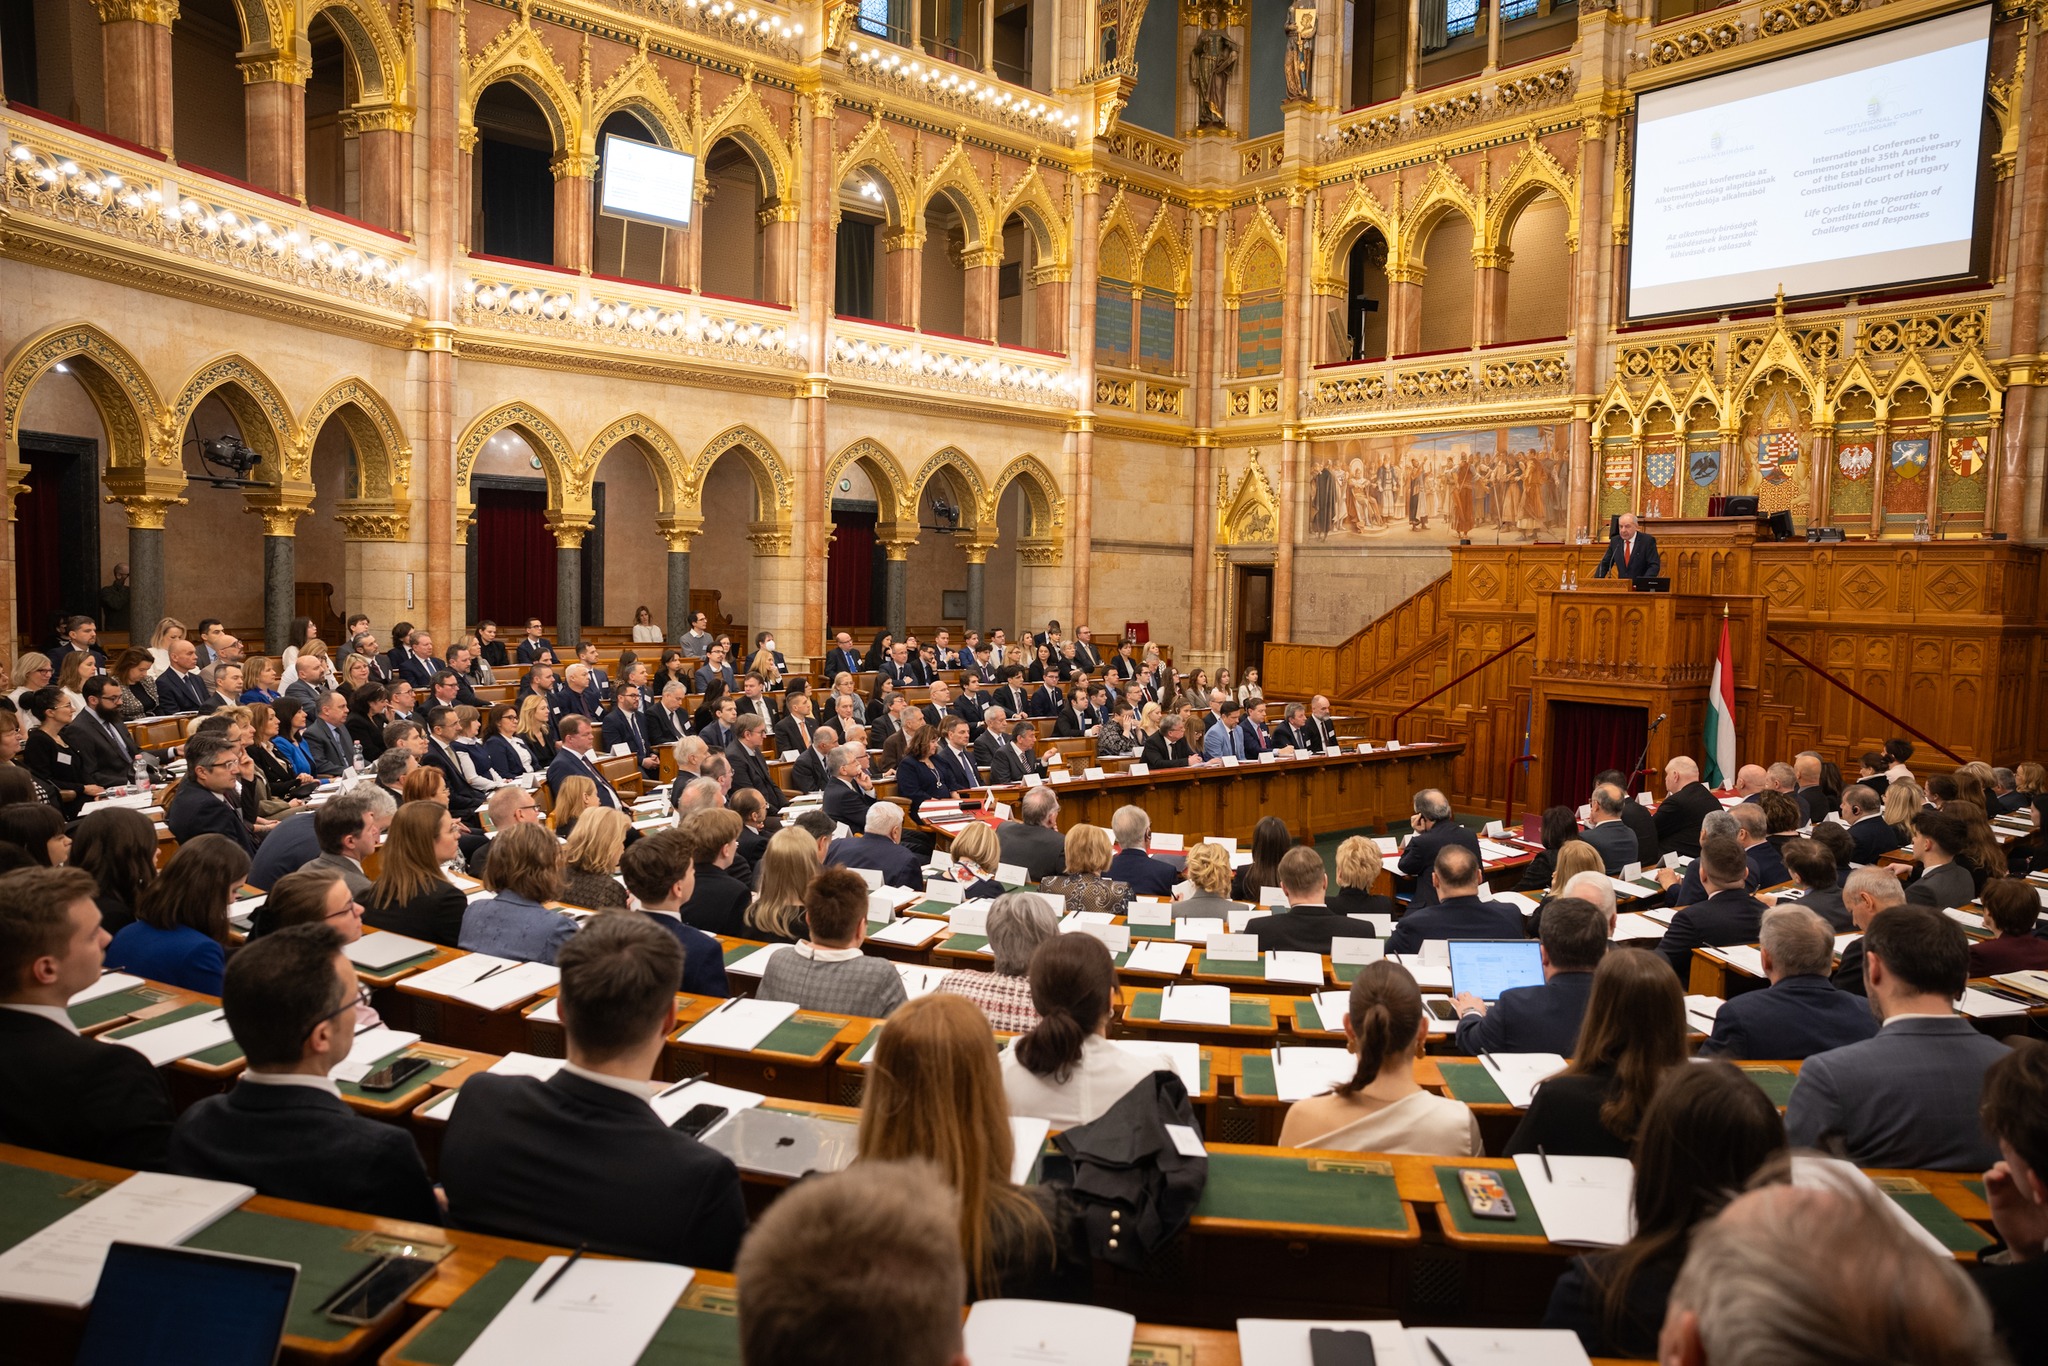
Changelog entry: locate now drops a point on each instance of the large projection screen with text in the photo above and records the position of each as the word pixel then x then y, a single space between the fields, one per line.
pixel 1848 168
pixel 647 183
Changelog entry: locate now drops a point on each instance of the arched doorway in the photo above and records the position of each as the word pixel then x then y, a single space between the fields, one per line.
pixel 512 194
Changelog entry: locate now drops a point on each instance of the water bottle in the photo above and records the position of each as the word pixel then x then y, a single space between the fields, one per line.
pixel 141 774
pixel 356 764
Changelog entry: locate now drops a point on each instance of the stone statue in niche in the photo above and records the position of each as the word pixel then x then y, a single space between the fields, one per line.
pixel 1210 64
pixel 1301 51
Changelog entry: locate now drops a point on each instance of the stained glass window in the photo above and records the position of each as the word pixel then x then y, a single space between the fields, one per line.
pixel 1462 17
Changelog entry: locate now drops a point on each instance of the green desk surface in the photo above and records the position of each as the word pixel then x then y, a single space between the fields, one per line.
pixel 802 1038
pixel 965 943
pixel 31 1200
pixel 1954 1233
pixel 1975 1188
pixel 321 1251
pixel 705 1335
pixel 1205 966
pixel 1775 1082
pixel 1255 1075
pixel 114 1005
pixel 1323 1192
pixel 1345 972
pixel 1307 1016
pixel 857 1056
pixel 419 1081
pixel 1525 1223
pixel 1244 1014
pixel 1151 931
pixel 1472 1083
pixel 735 952
pixel 220 1055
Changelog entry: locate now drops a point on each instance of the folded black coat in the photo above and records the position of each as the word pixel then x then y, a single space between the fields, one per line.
pixel 1134 1188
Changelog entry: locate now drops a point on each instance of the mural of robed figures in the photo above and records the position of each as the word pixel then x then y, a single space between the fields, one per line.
pixel 1507 483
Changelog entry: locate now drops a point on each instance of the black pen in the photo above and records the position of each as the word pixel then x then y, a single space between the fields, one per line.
pixel 1546 1164
pixel 1437 1351
pixel 560 1272
pixel 686 1081
pixel 492 973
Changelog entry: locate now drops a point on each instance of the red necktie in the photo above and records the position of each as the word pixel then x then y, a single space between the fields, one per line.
pixel 1626 547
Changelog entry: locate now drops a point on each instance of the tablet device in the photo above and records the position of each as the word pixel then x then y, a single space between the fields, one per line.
pixel 1488 967
pixel 170 1306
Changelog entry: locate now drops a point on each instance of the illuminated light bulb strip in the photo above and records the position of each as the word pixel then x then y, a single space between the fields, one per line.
pixel 47 182
pixel 900 69
pixel 746 25
pixel 919 366
pixel 539 310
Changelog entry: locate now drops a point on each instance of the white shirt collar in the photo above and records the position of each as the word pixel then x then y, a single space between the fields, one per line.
pixel 1919 1015
pixel 656 910
pixel 55 1014
pixel 292 1079
pixel 809 950
pixel 640 1089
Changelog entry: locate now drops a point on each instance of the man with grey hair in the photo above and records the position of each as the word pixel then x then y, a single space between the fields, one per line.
pixel 1717 824
pixel 1607 832
pixel 1018 922
pixel 699 794
pixel 1866 892
pixel 749 769
pixel 690 751
pixel 1782 777
pixel 995 733
pixel 1292 733
pixel 1752 1292
pixel 812 769
pixel 1802 1013
pixel 1752 832
pixel 392 767
pixel 1033 841
pixel 1434 829
pixel 851 792
pixel 1871 837
pixel 879 848
pixel 1687 802
pixel 1147 876
pixel 1593 887
pixel 667 717
pixel 2005 793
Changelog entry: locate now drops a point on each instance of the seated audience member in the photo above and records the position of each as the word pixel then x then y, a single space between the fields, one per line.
pixel 349 828
pixel 718 903
pixel 2015 1281
pixel 1560 826
pixel 1637 817
pixel 1729 915
pixel 291 1000
pixel 1871 837
pixel 1633 1034
pixel 38 830
pixel 1753 826
pixel 1434 829
pixel 524 870
pixel 1084 881
pixel 1753 1290
pixel 977 854
pixel 1802 1013
pixel 1018 757
pixel 1833 836
pixel 1542 1019
pixel 2011 908
pixel 1032 841
pixel 1812 866
pixel 1707 1132
pixel 1382 1109
pixel 850 795
pixel 753 813
pixel 935 1091
pixel 1209 875
pixel 660 873
pixel 1683 889
pixel 1455 909
pixel 412 894
pixel 1065 1069
pixel 205 802
pixel 792 860
pixel 577 796
pixel 180 932
pixel 117 845
pixel 1309 923
pixel 813 767
pixel 1359 866
pixel 827 971
pixel 879 848
pixel 899 1301
pixel 1908 1097
pixel 1607 832
pixel 1687 801
pixel 1169 746
pixel 1018 923
pixel 1270 843
pixel 1942 881
pixel 505 1161
pixel 60 1093
pixel 316 896
pixel 590 860
pixel 1133 865
pixel 1866 892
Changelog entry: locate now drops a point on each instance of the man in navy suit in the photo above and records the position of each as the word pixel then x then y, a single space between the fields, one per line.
pixel 179 688
pixel 980 662
pixel 1435 830
pixel 843 657
pixel 290 998
pixel 1752 824
pixel 1458 911
pixel 898 668
pixel 749 769
pixel 1729 915
pixel 1687 802
pixel 851 792
pixel 661 874
pixel 205 801
pixel 1146 876
pixel 1542 1019
pixel 572 759
pixel 417 665
pixel 1630 553
pixel 879 848
pixel 970 706
pixel 443 726
pixel 625 725
pixel 953 757
pixel 1870 837
pixel 327 741
pixel 1802 1013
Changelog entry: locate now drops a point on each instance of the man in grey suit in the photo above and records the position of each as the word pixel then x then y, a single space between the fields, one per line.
pixel 349 832
pixel 1033 841
pixel 327 744
pixel 1608 832
pixel 309 682
pixel 1907 1098
pixel 1943 882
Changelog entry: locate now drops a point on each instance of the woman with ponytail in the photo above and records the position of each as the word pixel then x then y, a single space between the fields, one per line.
pixel 1066 1070
pixel 1382 1109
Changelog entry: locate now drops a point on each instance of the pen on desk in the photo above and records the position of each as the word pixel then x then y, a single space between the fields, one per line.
pixel 493 972
pixel 1546 1164
pixel 691 1080
pixel 1437 1351
pixel 560 1272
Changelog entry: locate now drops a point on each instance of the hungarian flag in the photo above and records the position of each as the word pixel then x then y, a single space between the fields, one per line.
pixel 1720 728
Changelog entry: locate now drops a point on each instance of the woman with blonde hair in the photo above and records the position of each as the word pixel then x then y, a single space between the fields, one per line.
pixel 167 630
pixel 935 1091
pixel 354 676
pixel 977 853
pixel 777 914
pixel 576 796
pixel 591 858
pixel 260 681
pixel 1358 868
pixel 1382 1109
pixel 32 673
pixel 762 666
pixel 1209 874
pixel 1903 800
pixel 1083 882
pixel 1149 721
pixel 535 730
pixel 412 895
pixel 1574 857
pixel 78 666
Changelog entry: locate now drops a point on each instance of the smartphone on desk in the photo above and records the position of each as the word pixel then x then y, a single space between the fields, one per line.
pixel 697 1119
pixel 394 1074
pixel 1485 1195
pixel 376 1290
pixel 1340 1347
pixel 1442 1009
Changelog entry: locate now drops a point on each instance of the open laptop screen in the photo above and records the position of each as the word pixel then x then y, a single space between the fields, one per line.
pixel 1487 967
pixel 171 1306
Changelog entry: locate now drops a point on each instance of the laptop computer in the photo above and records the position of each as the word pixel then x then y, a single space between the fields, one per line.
pixel 171 1306
pixel 1488 967
pixel 779 1143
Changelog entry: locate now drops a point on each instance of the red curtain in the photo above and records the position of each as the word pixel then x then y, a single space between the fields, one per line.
pixel 1587 737
pixel 850 570
pixel 515 556
pixel 38 553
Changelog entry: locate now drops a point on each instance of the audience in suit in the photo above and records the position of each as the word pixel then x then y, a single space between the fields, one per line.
pixel 1633 1033
pixel 879 848
pixel 1866 892
pixel 1434 830
pixel 328 743
pixel 660 872
pixel 1812 867
pixel 98 740
pixel 718 901
pixel 204 803
pixel 812 769
pixel 1752 826
pixel 1133 866
pixel 1309 923
pixel 1687 801
pixel 573 759
pixel 524 870
pixel 851 793
pixel 1871 837
pixel 1802 1013
pixel 1032 841
pixel 1169 746
pixel 1456 909
pixel 1607 832
pixel 1014 756
pixel 749 769
pixel 1729 915
pixel 827 970
pixel 1542 1019
pixel 1943 881
pixel 179 688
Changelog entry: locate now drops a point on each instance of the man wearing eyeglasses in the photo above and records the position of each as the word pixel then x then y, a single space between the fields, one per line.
pixel 205 803
pixel 508 806
pixel 291 999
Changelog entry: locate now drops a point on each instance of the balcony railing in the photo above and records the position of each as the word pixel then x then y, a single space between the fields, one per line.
pixel 131 198
pixel 1494 376
pixel 1510 91
pixel 898 359
pixel 751 25
pixel 958 89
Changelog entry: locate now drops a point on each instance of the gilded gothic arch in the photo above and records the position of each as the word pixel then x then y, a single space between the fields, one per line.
pixel 121 391
pixel 891 486
pixel 968 479
pixel 772 486
pixel 381 509
pixel 383 76
pixel 1045 507
pixel 643 433
pixel 558 460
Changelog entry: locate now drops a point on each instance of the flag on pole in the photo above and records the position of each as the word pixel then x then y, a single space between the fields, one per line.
pixel 1720 728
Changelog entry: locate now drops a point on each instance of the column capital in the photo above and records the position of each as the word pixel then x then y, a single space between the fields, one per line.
pixel 15 485
pixel 1040 553
pixel 164 12
pixel 909 237
pixel 276 64
pixel 574 166
pixel 981 258
pixel 280 519
pixel 364 521
pixel 569 528
pixel 898 547
pixel 769 538
pixel 147 494
pixel 680 531
pixel 1492 258
pixel 383 118
pixel 977 550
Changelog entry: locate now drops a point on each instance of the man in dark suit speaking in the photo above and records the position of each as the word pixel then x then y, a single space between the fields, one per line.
pixel 1630 554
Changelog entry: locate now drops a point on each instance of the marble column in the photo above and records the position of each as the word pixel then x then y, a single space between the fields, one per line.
pixel 1414 44
pixel 1492 36
pixel 896 586
pixel 1586 299
pixel 813 506
pixel 1292 446
pixel 1049 308
pixel 1489 294
pixel 678 593
pixel 135 46
pixel 274 109
pixel 573 226
pixel 902 274
pixel 145 577
pixel 779 238
pixel 280 592
pixel 1203 311
pixel 1880 468
pixel 384 160
pixel 977 581
pixel 1404 309
pixel 2021 434
pixel 1081 497
pixel 147 494
pixel 982 269
pixel 447 210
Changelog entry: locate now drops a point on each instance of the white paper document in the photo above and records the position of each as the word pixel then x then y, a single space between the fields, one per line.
pixel 1491 852
pixel 1428 973
pixel 1039 1333
pixel 1164 842
pixel 509 987
pixel 673 1102
pixel 1115 938
pixel 1237 917
pixel 1299 1072
pixel 1027 1141
pixel 109 983
pixel 1203 1005
pixel 1814 1172
pixel 1149 913
pixel 1013 875
pixel 526 1065
pixel 755 963
pixel 1498 1347
pixel 945 891
pixel 919 981
pixel 379 949
pixel 1196 930
pixel 1700 1012
pixel 910 932
pixel 549 1010
pixel 1156 955
pixel 1232 948
pixel 1521 901
pixel 167 1043
pixel 61 1264
pixel 1636 925
pixel 1583 1200
pixel 738 1025
pixel 1978 1004
pixel 1518 1073
pixel 371 1047
pixel 1332 1007
pixel 600 1313
pixel 1292 965
pixel 1388 845
pixel 1748 957
pixel 1186 1058
pixel 1357 952
pixel 970 917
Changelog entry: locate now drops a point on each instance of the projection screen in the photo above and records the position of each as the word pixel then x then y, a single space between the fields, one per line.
pixel 647 183
pixel 1851 167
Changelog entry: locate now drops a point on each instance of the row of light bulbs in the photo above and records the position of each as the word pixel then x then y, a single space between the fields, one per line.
pixel 747 20
pixel 660 321
pixel 891 61
pixel 987 370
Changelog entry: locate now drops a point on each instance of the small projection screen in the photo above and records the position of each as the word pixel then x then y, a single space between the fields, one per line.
pixel 1851 167
pixel 646 183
